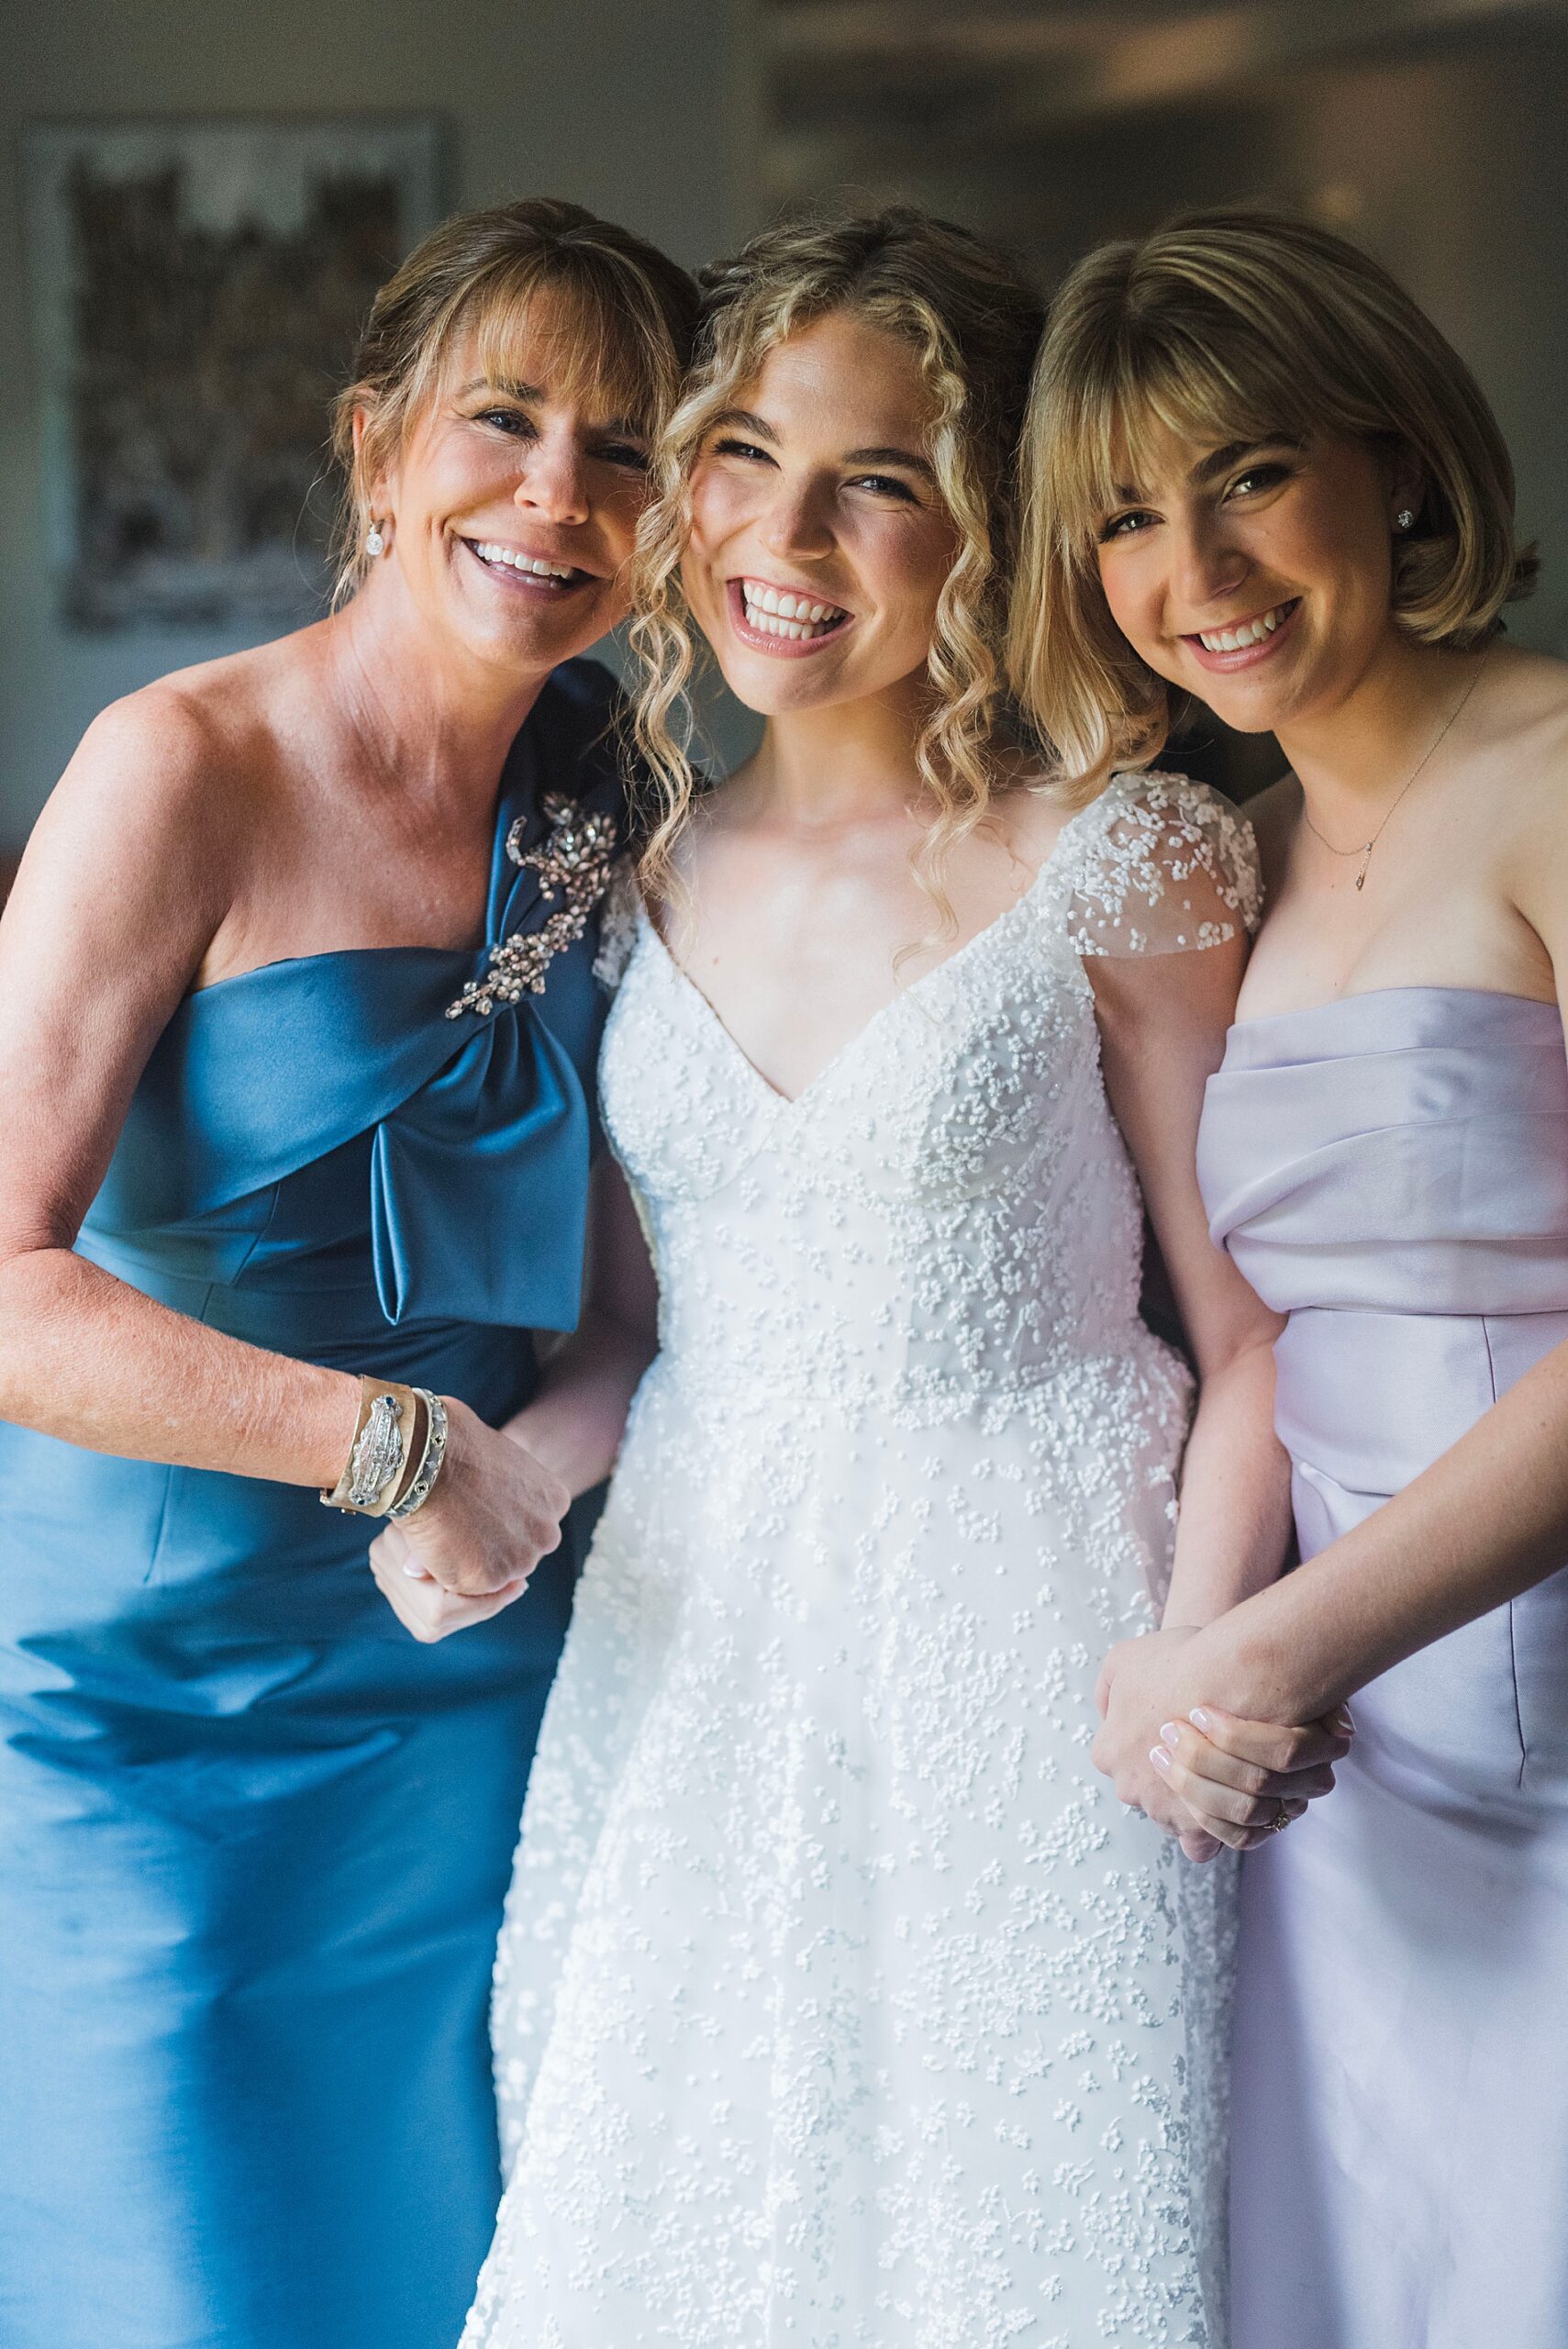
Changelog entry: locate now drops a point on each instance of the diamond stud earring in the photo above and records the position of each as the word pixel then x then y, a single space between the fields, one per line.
pixel 375 541
pixel 1404 519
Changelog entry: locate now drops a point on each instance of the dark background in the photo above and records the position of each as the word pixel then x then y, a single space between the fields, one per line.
pixel 1434 131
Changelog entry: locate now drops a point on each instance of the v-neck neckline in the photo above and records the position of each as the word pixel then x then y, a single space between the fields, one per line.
pixel 783 1102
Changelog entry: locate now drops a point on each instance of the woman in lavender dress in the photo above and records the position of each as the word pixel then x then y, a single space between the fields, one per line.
pixel 1272 485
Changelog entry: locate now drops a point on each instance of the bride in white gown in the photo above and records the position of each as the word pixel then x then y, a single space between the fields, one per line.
pixel 840 2004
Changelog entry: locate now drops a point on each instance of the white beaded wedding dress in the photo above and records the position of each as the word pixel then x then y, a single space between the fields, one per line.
pixel 840 2004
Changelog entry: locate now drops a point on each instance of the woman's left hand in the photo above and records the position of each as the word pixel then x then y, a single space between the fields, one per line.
pixel 1225 1786
pixel 421 1605
pixel 1129 1680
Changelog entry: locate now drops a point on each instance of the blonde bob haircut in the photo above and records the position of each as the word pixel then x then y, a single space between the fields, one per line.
pixel 1246 326
pixel 973 327
pixel 619 315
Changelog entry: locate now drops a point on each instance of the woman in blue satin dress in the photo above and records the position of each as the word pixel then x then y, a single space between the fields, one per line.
pixel 279 1113
pixel 1272 485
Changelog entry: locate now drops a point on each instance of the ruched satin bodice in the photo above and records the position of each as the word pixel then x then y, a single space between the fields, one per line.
pixel 254 1838
pixel 323 1123
pixel 1391 1172
pixel 1343 1144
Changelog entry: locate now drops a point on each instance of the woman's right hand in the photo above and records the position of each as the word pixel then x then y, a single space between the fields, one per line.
pixel 1238 1778
pixel 495 1513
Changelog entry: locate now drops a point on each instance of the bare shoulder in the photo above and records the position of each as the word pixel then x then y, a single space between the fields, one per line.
pixel 171 748
pixel 163 790
pixel 1529 721
pixel 1520 775
pixel 181 767
pixel 161 744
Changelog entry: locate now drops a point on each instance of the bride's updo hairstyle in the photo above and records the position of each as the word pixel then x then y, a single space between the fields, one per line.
pixel 620 311
pixel 973 327
pixel 1237 325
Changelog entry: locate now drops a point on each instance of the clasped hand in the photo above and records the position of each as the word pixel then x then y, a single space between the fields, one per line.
pixel 1204 1774
pixel 470 1551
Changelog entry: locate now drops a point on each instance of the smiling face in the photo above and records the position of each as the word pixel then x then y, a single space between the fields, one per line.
pixel 513 502
pixel 1257 576
pixel 820 542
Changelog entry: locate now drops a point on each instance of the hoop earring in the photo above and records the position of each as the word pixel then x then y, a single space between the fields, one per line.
pixel 375 541
pixel 1404 519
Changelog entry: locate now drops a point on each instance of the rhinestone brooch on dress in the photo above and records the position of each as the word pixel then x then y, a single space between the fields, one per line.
pixel 573 862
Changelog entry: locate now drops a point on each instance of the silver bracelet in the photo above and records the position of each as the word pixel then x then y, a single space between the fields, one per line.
pixel 378 1456
pixel 430 1459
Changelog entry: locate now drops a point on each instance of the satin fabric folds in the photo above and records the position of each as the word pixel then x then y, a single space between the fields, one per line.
pixel 1391 1171
pixel 254 1838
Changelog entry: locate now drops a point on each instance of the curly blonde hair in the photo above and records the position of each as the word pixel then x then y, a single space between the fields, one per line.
pixel 629 313
pixel 1237 325
pixel 974 326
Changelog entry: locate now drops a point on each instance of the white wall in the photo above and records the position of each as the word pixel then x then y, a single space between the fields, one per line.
pixel 635 107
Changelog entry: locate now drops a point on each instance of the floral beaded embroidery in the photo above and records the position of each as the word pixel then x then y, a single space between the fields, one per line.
pixel 1162 863
pixel 575 863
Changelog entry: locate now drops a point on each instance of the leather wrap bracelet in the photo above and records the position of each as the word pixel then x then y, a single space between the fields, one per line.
pixel 378 1450
pixel 398 1449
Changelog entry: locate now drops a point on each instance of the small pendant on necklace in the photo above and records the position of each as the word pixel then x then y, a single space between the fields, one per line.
pixel 1361 878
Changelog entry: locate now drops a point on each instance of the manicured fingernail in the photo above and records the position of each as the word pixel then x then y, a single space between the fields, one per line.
pixel 1200 1719
pixel 1294 1810
pixel 1341 1723
pixel 1158 1755
pixel 1172 1734
pixel 414 1573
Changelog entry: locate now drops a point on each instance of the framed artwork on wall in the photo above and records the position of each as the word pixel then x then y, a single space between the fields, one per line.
pixel 196 290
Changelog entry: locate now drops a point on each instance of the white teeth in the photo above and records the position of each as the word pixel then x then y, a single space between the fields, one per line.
pixel 515 561
pixel 1234 639
pixel 775 612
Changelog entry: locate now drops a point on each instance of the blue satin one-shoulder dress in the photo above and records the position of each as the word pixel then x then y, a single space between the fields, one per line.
pixel 254 1839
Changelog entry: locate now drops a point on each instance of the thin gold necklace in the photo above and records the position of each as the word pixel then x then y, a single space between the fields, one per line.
pixel 1366 847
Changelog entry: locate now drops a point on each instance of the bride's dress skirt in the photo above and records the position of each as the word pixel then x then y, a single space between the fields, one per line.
pixel 856 1999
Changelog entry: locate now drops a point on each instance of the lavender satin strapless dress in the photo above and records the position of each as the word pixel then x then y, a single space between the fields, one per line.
pixel 1391 1170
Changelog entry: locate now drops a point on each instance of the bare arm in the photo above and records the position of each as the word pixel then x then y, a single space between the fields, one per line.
pixel 1162 1022
pixel 1485 1521
pixel 123 886
pixel 125 883
pixel 575 1422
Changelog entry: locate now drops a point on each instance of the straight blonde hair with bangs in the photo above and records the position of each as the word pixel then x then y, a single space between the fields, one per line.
pixel 973 326
pixel 1246 326
pixel 620 316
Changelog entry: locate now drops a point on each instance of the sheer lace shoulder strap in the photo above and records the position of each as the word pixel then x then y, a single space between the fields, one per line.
pixel 1159 865
pixel 620 911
